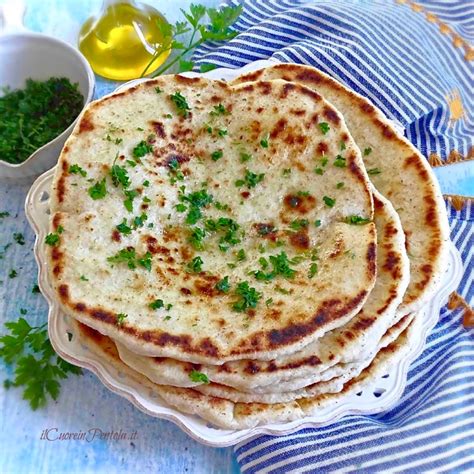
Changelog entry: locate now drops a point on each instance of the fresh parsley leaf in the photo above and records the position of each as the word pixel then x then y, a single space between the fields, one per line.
pixel 299 224
pixel 52 239
pixel 219 110
pixel 223 285
pixel 139 221
pixel 217 155
pixel 248 297
pixel 340 185
pixel 158 90
pixel 121 318
pixel 250 180
pixel 317 223
pixel 196 201
pixel 198 377
pixel 98 190
pixel 356 220
pixel 324 127
pixel 329 201
pixel 319 171
pixel 123 228
pixel 180 104
pixel 373 171
pixel 127 255
pixel 38 369
pixel 18 238
pixel 119 176
pixel 244 157
pixel 241 255
pixel 222 132
pixel 76 169
pixel 83 278
pixel 146 183
pixel 286 172
pixel 313 269
pixel 367 151
pixel 264 141
pixel 13 273
pixel 157 304
pixel 281 265
pixel 340 161
pixel 35 289
pixel 197 238
pixel 145 261
pixel 195 265
pixel 142 149
pixel 130 195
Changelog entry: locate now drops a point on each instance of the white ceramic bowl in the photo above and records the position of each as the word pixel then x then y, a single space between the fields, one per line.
pixel 25 55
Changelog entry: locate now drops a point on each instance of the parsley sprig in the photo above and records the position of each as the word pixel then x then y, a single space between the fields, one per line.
pixel 203 24
pixel 38 369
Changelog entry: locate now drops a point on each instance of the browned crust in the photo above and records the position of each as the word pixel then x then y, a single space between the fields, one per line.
pixel 328 312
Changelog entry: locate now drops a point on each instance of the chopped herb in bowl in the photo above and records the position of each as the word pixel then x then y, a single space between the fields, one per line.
pixel 33 116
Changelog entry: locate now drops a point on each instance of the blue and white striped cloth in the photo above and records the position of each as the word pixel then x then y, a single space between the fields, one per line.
pixel 415 62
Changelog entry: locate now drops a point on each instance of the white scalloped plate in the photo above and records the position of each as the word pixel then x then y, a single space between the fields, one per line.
pixel 381 395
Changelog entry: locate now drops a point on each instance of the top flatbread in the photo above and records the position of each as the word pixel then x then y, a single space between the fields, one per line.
pixel 400 173
pixel 224 173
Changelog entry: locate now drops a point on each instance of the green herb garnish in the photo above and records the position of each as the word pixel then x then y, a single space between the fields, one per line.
pixel 250 180
pixel 219 110
pixel 329 201
pixel 98 190
pixel 356 220
pixel 197 238
pixel 373 171
pixel 195 265
pixel 130 195
pixel 340 161
pixel 157 304
pixel 324 127
pixel 248 297
pixel 38 369
pixel 223 285
pixel 76 169
pixel 35 115
pixel 181 104
pixel 264 141
pixel 142 149
pixel 18 238
pixel 121 318
pixel 244 157
pixel 217 155
pixel 198 377
pixel 299 224
pixel 52 239
pixel 313 269
pixel 367 151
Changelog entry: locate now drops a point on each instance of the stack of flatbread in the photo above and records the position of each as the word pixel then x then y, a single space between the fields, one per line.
pixel 250 250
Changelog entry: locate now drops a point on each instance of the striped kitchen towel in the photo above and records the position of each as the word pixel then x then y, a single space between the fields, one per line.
pixel 415 62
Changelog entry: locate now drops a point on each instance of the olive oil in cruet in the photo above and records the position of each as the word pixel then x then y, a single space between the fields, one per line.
pixel 121 41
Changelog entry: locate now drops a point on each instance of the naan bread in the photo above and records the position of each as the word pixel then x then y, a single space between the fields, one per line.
pixel 181 169
pixel 230 415
pixel 399 172
pixel 321 360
